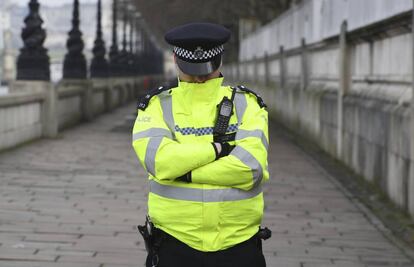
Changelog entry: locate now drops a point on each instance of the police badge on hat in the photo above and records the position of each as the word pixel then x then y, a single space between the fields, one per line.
pixel 198 53
pixel 198 47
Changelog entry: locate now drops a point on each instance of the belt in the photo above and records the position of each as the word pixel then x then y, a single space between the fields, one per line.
pixel 162 236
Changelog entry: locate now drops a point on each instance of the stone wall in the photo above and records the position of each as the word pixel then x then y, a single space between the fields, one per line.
pixel 376 138
pixel 20 119
pixel 40 109
pixel 317 20
pixel 376 133
pixel 351 93
pixel 70 104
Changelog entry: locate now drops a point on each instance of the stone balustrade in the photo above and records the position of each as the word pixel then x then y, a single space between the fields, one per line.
pixel 36 109
pixel 350 93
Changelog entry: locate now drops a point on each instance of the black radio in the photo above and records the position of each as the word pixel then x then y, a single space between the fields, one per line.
pixel 225 110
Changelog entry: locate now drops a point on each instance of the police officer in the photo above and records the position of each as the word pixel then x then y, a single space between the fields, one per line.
pixel 204 146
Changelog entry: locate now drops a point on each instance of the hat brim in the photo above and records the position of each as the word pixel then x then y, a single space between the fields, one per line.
pixel 198 69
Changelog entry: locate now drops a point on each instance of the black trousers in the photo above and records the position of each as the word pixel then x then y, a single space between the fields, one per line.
pixel 174 253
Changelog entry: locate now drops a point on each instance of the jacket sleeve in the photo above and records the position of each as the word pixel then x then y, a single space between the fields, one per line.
pixel 161 156
pixel 246 166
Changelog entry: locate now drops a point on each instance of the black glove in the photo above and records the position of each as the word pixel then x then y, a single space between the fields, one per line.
pixel 226 149
pixel 185 178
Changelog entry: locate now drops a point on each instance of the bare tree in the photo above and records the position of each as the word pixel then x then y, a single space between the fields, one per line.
pixel 162 15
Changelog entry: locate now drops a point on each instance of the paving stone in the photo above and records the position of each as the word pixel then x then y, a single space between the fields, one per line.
pixel 45 264
pixel 73 253
pixel 75 202
pixel 24 256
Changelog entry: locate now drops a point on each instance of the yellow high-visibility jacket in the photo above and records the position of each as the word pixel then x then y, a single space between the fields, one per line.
pixel 172 135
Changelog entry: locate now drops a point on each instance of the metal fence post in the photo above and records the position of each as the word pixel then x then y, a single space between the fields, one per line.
pixel 344 81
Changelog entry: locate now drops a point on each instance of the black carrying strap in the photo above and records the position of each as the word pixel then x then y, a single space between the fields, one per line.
pixel 233 94
pixel 144 100
pixel 258 97
pixel 224 138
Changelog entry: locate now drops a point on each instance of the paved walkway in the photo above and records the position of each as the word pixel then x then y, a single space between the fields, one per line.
pixel 75 201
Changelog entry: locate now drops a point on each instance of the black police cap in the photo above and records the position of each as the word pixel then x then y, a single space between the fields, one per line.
pixel 190 36
pixel 198 46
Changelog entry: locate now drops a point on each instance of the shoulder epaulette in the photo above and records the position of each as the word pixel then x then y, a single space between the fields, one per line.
pixel 143 101
pixel 258 97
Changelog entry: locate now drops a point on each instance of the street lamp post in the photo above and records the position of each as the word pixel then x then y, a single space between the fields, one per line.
pixel 114 52
pixel 137 49
pixel 124 57
pixel 131 35
pixel 74 65
pixel 131 61
pixel 99 65
pixel 33 61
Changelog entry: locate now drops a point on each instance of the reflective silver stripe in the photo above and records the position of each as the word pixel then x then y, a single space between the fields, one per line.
pixel 252 133
pixel 202 195
pixel 152 132
pixel 152 148
pixel 248 159
pixel 166 105
pixel 240 105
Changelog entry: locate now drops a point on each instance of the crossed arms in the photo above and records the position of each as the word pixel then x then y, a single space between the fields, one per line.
pixel 166 159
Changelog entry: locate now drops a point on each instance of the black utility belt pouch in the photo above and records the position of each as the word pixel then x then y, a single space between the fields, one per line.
pixel 152 241
pixel 147 232
pixel 263 234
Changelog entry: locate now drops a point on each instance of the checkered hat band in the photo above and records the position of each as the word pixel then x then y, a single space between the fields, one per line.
pixel 200 55
pixel 203 130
